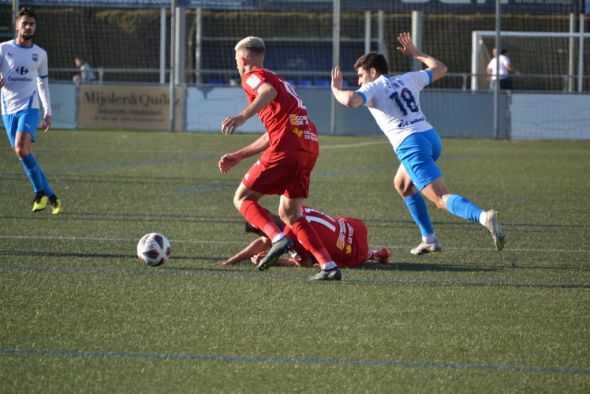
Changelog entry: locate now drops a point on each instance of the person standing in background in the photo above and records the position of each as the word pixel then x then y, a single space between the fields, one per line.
pixel 505 70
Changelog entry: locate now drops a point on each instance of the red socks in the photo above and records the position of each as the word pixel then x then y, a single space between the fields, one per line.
pixel 257 216
pixel 307 236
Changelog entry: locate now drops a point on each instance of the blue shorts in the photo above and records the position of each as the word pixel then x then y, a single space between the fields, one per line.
pixel 25 121
pixel 418 154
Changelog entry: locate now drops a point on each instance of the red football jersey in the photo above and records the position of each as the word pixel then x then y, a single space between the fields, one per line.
pixel 344 238
pixel 285 118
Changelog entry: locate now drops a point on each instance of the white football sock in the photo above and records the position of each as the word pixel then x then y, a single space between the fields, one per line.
pixel 483 217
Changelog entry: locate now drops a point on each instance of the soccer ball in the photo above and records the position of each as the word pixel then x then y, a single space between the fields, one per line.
pixel 153 249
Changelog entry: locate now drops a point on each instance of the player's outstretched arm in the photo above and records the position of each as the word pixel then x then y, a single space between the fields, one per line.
pixel 255 247
pixel 344 97
pixel 407 47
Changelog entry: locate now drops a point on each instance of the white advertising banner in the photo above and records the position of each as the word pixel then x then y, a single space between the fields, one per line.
pixel 207 107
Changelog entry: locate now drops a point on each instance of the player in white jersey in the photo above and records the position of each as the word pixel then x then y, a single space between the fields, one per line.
pixel 23 80
pixel 394 102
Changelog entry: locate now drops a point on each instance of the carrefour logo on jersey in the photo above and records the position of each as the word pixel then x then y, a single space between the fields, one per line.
pixel 22 70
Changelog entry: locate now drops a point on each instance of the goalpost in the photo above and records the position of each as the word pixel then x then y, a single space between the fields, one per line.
pixel 551 55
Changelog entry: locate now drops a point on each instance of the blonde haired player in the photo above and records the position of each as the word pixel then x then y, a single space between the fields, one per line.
pixel 289 150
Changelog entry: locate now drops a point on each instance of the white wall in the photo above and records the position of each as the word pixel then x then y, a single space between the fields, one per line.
pixel 207 107
pixel 550 116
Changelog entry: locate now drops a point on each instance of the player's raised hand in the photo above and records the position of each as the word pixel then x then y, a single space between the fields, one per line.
pixel 1 82
pixel 406 47
pixel 337 79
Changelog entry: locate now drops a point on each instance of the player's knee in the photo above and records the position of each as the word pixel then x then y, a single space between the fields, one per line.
pixel 440 204
pixel 287 218
pixel 238 201
pixel 398 185
pixel 405 189
pixel 21 151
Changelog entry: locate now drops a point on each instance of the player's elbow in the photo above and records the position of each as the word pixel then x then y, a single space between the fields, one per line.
pixel 442 69
pixel 353 100
pixel 439 71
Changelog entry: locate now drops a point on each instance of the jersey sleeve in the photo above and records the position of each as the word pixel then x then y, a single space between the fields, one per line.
pixel 252 82
pixel 43 69
pixel 367 92
pixel 418 79
pixel 43 84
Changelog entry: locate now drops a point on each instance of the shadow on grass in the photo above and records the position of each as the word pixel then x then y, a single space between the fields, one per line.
pixel 416 267
pixel 426 267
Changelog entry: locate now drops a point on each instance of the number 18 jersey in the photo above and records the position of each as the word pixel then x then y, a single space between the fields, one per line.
pixel 394 102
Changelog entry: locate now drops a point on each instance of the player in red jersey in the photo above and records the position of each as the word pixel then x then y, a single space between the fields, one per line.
pixel 344 237
pixel 290 147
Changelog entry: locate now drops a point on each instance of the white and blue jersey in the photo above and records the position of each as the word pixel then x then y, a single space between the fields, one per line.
pixel 394 102
pixel 25 71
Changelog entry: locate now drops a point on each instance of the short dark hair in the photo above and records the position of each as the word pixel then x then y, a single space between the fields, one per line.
pixel 248 228
pixel 27 11
pixel 372 60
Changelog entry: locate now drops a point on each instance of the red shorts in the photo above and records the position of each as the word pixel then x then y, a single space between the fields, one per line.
pixel 282 173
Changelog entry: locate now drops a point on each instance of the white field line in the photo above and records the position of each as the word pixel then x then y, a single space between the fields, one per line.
pixel 212 242
pixel 356 145
pixel 322 147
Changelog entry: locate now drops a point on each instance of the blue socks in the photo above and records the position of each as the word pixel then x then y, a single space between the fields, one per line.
pixel 463 208
pixel 35 175
pixel 417 207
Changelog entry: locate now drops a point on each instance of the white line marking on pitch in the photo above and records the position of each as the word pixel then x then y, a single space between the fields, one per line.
pixel 209 242
pixel 337 146
pixel 355 145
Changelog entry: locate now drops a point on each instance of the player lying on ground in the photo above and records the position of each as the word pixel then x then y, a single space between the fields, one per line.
pixel 344 237
pixel 394 102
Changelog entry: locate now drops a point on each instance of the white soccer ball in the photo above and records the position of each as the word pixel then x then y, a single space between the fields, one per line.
pixel 153 249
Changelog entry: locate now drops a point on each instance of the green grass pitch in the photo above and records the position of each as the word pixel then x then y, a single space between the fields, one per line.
pixel 79 313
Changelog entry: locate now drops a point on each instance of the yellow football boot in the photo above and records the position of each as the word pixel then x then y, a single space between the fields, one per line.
pixel 40 202
pixel 56 204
